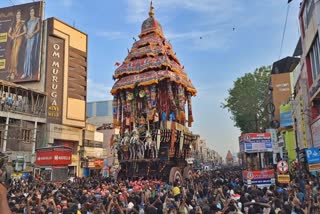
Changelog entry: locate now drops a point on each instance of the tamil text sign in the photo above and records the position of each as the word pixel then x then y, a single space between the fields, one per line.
pixel 256 142
pixel 20 42
pixel 259 178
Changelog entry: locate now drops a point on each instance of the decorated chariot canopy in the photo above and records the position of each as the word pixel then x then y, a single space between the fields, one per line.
pixel 151 83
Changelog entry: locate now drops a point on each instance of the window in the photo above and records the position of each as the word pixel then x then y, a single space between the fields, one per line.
pixel 26 135
pixel 314 58
pixel 89 110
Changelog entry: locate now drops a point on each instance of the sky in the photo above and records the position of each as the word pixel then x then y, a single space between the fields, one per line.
pixel 237 37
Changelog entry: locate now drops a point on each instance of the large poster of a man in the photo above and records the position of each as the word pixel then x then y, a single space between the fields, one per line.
pixel 20 42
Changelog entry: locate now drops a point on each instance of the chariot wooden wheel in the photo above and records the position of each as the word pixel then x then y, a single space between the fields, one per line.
pixel 187 172
pixel 175 174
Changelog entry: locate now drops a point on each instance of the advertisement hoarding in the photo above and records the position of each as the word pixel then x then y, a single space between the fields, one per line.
pixel 20 42
pixel 255 142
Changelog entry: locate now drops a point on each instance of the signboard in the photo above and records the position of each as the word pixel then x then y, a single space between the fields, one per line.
pixel 315 130
pixel 256 142
pixel 260 178
pixel 52 156
pixel 54 83
pixel 20 42
pixel 285 115
pixel 282 167
pixel 284 179
pixel 313 155
pixel 98 163
pixel 315 167
pixel 275 145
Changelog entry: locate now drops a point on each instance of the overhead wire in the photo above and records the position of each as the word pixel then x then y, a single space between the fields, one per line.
pixel 284 30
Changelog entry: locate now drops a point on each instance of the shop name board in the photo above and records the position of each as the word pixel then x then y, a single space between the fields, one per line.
pixel 55 66
pixel 55 71
pixel 53 158
pixel 56 157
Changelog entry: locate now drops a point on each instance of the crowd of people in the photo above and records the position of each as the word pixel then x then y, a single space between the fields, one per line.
pixel 207 192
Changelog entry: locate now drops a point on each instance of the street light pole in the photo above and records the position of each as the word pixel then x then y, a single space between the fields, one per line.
pixel 301 183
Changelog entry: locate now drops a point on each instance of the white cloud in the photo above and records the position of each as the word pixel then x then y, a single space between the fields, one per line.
pixel 112 35
pixel 67 3
pixel 98 91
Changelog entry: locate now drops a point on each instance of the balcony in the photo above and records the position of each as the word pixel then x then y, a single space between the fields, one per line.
pixel 18 99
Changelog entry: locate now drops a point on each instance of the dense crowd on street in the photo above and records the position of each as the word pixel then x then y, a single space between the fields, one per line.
pixel 207 192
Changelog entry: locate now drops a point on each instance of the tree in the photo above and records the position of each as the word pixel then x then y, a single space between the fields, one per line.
pixel 247 101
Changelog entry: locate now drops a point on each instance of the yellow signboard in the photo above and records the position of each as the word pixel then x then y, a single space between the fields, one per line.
pixel 284 178
pixel 3 37
pixel 2 63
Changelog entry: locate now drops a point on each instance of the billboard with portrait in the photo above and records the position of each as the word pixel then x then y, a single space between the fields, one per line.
pixel 20 42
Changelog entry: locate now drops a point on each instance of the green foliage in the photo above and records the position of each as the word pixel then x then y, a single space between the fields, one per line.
pixel 247 100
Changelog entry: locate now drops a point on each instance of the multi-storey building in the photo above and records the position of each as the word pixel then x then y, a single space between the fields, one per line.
pixel 99 113
pixel 44 85
pixel 309 17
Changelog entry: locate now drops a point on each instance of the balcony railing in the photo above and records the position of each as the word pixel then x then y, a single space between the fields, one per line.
pixel 17 99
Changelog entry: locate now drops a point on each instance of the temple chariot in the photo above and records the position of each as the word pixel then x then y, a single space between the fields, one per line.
pixel 152 109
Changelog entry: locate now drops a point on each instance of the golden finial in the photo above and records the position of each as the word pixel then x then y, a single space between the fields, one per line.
pixel 151 12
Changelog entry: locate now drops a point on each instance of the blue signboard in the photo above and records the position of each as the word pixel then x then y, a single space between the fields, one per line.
pixel 313 155
pixel 285 115
pixel 268 145
pixel 285 119
pixel 248 146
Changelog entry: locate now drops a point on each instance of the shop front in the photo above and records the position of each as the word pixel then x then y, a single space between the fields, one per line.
pixel 52 163
pixel 66 136
pixel 94 168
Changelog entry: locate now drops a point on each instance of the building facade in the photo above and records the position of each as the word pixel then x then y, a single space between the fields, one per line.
pixel 46 89
pixel 309 17
pixel 99 112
